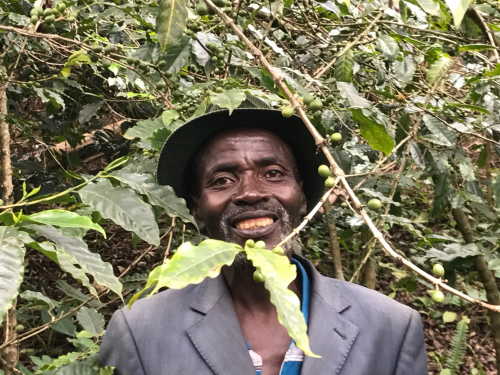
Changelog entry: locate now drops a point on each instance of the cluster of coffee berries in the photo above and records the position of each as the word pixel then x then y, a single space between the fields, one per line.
pixel 218 56
pixel 437 295
pixel 324 171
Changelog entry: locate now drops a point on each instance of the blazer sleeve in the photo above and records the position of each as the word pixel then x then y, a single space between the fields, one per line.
pixel 412 357
pixel 119 349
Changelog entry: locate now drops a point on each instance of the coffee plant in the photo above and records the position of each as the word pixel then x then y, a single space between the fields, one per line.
pixel 402 97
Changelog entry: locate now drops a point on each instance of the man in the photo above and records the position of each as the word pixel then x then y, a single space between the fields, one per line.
pixel 253 175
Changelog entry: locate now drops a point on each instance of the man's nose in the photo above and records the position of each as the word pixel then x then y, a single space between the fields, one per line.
pixel 250 191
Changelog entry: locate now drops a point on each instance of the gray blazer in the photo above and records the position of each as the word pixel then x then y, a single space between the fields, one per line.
pixel 195 331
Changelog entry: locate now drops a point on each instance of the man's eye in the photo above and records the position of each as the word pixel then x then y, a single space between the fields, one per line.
pixel 222 181
pixel 273 173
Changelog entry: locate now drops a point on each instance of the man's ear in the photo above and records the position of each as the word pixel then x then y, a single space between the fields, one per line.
pixel 194 207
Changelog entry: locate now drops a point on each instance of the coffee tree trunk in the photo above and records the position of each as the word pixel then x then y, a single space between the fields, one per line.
pixel 10 354
pixel 486 278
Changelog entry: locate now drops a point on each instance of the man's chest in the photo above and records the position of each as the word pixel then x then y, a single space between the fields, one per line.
pixel 268 343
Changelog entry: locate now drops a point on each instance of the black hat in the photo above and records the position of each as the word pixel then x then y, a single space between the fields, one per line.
pixel 183 143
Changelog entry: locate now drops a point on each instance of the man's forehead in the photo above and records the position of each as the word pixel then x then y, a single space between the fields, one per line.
pixel 231 139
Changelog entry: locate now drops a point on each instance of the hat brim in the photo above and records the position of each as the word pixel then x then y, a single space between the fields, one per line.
pixel 183 143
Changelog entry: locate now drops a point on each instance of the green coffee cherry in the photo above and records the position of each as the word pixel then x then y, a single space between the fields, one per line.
pixel 374 204
pixel 336 137
pixel 278 250
pixel 438 270
pixel 437 296
pixel 308 98
pixel 260 245
pixel 324 171
pixel 316 105
pixel 258 277
pixel 343 205
pixel 249 243
pixel 287 112
pixel 329 182
pixel 160 85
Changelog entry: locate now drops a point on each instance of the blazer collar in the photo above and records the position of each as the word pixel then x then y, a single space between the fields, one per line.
pixel 218 337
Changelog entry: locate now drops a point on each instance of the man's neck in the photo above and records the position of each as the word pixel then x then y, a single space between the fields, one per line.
pixel 251 296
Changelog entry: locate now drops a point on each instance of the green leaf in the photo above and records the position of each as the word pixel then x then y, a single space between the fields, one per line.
pixel 163 196
pixel 159 137
pixel 404 10
pixel 11 267
pixel 124 207
pixel 467 169
pixel 430 6
pixel 192 264
pixel 437 68
pixel 388 47
pixel 442 134
pixel 279 273
pixel 443 193
pixel 475 47
pixel 39 299
pixel 228 99
pixel 76 294
pixel 458 9
pixel 468 106
pixel 373 132
pixel 452 252
pixel 171 22
pixel 107 370
pixel 79 253
pixel 88 111
pixel 65 219
pixel 470 27
pixel 91 320
pixel 405 69
pixel 61 258
pixel 344 67
pixel 449 316
pixel 348 91
pixel 494 72
pixel 153 278
pixel 144 129
pixel 168 116
pixel 177 56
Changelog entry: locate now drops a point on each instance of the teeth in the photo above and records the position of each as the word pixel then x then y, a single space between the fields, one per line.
pixel 254 223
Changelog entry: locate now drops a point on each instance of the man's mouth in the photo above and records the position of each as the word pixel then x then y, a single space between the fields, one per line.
pixel 253 223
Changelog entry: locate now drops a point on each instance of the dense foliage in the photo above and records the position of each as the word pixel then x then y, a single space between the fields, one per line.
pixel 406 93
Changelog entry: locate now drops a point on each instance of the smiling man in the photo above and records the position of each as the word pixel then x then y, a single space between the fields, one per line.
pixel 253 175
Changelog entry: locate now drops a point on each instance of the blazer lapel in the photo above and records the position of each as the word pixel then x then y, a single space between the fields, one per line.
pixel 217 335
pixel 330 334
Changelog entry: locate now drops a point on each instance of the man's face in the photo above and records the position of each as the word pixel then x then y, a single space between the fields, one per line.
pixel 248 188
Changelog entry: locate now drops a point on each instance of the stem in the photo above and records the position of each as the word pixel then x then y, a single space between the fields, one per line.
pixel 334 240
pixel 486 277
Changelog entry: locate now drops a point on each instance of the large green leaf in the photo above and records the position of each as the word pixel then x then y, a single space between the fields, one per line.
pixel 192 264
pixel 66 219
pixel 430 6
pixel 124 207
pixel 458 9
pixel 11 267
pixel 437 68
pixel 163 196
pixel 76 294
pixel 388 47
pixel 373 132
pixel 228 99
pixel 279 273
pixel 177 56
pixel 144 129
pixel 440 132
pixel 79 253
pixel 344 67
pixel 91 320
pixel 39 299
pixel 443 193
pixel 348 91
pixel 404 70
pixel 159 137
pixel 64 260
pixel 171 22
